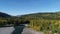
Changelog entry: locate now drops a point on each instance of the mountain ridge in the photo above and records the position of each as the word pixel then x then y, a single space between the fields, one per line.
pixel 4 15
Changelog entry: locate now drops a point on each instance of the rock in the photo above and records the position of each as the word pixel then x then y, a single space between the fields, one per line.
pixel 30 31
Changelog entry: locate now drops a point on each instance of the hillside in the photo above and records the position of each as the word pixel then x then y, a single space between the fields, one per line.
pixel 43 15
pixel 43 21
pixel 4 15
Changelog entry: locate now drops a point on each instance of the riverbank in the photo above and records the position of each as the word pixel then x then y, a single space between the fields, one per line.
pixel 11 30
pixel 18 30
pixel 31 31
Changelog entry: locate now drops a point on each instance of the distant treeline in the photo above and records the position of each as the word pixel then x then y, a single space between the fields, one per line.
pixel 12 20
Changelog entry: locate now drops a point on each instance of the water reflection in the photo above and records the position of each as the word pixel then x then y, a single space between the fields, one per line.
pixel 18 29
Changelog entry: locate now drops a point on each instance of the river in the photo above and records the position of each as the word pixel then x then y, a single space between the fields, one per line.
pixel 12 30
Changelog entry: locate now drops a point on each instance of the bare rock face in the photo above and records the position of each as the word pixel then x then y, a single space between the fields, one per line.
pixel 30 31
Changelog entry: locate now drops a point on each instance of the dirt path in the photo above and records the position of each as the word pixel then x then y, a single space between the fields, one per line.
pixel 30 31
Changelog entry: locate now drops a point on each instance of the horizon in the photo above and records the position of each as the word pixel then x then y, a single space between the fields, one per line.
pixel 22 7
pixel 31 13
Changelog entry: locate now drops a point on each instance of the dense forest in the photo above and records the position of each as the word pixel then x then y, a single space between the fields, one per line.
pixel 38 21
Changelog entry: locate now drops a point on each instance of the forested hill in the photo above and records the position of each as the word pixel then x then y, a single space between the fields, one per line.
pixel 4 15
pixel 39 15
pixel 55 15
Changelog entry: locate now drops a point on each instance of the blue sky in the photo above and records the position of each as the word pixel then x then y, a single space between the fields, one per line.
pixel 20 7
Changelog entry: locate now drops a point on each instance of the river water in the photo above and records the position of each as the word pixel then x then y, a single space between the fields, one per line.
pixel 12 30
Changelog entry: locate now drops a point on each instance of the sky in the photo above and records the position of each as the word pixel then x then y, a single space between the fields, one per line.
pixel 21 7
